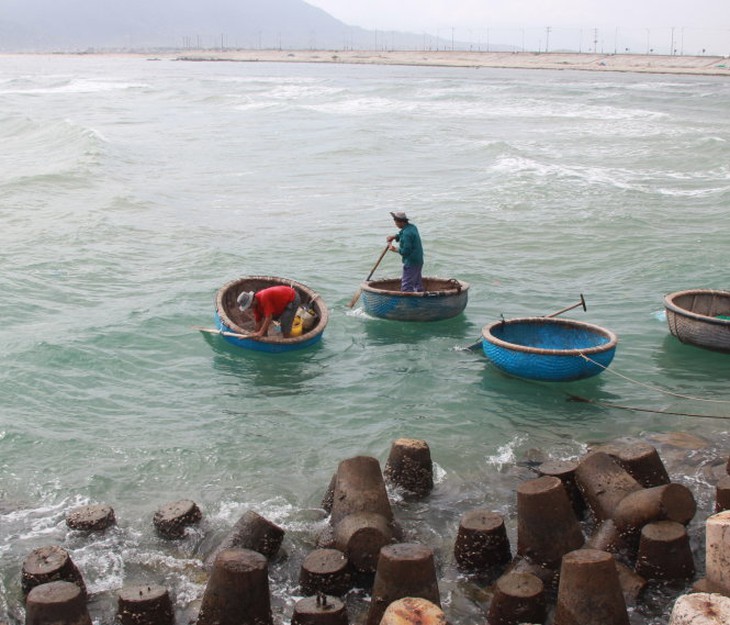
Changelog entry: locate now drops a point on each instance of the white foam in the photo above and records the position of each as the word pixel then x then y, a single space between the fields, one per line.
pixel 506 453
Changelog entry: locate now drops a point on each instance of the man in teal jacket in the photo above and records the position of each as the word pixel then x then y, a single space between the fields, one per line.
pixel 411 251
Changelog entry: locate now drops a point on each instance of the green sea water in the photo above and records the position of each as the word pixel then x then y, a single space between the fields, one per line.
pixel 131 189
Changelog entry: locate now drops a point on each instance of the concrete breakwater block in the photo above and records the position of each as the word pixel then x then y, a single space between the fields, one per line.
pixel 547 527
pixel 56 603
pixel 643 463
pixel 361 516
pixel 701 609
pixel 670 502
pixel 481 541
pixel 603 483
pixel 237 592
pixel 632 584
pixel 359 486
pixel 404 570
pixel 361 536
pixel 329 495
pixel 665 552
pixel 319 610
pixel 50 564
pixel 606 537
pixel 564 470
pixel 172 518
pixel 144 605
pixel 518 598
pixel 409 466
pixel 251 531
pixel 589 592
pixel 94 517
pixel 325 571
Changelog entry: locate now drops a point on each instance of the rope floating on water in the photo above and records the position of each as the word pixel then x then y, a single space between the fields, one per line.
pixel 633 409
pixel 585 400
pixel 655 388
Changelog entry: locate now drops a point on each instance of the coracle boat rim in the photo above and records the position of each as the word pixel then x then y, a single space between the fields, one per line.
pixel 596 349
pixel 314 298
pixel 679 310
pixel 462 286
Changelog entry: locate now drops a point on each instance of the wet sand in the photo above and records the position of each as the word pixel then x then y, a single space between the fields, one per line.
pixel 639 63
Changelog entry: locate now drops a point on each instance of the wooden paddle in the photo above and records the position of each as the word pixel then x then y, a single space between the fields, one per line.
pixel 235 335
pixel 582 302
pixel 353 301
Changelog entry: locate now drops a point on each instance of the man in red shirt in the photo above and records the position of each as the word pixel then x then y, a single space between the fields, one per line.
pixel 278 303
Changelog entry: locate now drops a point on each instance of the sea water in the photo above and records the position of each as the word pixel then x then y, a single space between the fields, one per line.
pixel 132 188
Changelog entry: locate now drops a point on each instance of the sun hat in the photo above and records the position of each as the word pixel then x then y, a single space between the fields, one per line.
pixel 245 300
pixel 399 216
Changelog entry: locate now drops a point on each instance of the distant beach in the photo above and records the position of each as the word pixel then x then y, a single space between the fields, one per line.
pixel 639 63
pixel 586 61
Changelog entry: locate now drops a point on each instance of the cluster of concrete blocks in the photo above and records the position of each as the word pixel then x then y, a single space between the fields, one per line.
pixel 637 518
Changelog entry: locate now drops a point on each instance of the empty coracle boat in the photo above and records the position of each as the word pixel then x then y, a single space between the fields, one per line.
pixel 700 317
pixel 548 349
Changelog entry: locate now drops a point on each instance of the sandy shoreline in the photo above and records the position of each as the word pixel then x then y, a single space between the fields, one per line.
pixel 635 63
pixel 639 63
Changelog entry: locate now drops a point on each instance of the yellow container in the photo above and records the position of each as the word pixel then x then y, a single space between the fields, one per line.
pixel 296 326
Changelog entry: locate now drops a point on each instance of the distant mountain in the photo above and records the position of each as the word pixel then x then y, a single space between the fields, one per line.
pixel 83 25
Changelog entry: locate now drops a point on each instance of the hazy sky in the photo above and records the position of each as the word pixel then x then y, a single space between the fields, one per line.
pixel 429 14
pixel 702 23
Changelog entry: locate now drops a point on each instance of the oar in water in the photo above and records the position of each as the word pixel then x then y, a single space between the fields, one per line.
pixel 353 301
pixel 582 303
pixel 235 335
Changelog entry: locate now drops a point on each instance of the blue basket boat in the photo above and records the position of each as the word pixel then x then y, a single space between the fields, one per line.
pixel 443 298
pixel 700 317
pixel 233 325
pixel 547 349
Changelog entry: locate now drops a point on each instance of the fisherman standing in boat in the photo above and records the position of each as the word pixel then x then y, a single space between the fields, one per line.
pixel 276 303
pixel 411 251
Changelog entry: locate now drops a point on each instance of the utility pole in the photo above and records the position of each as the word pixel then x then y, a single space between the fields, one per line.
pixel 547 38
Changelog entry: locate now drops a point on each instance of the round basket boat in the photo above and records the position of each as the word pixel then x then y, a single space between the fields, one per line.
pixel 230 320
pixel 443 298
pixel 548 349
pixel 700 317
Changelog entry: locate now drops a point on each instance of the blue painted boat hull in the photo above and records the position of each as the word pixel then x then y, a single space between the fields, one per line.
pixel 547 349
pixel 262 346
pixel 443 299
pixel 230 320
